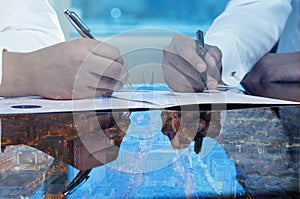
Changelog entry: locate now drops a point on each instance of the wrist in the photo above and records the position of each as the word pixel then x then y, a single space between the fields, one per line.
pixel 16 74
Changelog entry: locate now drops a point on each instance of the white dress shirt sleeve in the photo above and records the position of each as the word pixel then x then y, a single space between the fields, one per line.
pixel 290 37
pixel 27 25
pixel 246 31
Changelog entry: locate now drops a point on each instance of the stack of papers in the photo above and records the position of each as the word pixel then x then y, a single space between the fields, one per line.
pixel 157 96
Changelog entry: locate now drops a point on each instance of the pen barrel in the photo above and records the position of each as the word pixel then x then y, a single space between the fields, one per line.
pixel 201 52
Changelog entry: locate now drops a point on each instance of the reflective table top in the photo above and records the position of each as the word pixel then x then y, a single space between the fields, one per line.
pixel 180 153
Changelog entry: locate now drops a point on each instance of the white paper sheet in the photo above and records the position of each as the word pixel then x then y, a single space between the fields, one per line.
pixel 154 98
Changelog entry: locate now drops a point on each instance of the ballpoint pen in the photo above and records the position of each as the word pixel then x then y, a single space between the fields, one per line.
pixel 201 52
pixel 81 177
pixel 81 27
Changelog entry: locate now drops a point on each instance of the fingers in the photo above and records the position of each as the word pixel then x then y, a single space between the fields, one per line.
pixel 101 72
pixel 185 48
pixel 101 66
pixel 182 65
pixel 181 55
pixel 112 64
pixel 98 48
pixel 212 72
pixel 89 92
pixel 108 51
pixel 180 82
pixel 215 53
pixel 98 84
pixel 105 83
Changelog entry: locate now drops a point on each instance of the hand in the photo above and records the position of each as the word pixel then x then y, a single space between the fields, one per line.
pixel 281 90
pixel 82 68
pixel 275 68
pixel 100 137
pixel 97 137
pixel 182 65
pixel 182 128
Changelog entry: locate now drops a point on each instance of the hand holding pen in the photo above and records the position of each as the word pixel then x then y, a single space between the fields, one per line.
pixel 190 66
pixel 80 68
pixel 85 31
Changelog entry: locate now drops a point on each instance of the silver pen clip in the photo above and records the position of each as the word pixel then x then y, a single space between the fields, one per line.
pixel 78 24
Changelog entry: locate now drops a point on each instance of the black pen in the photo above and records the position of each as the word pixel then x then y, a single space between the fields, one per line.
pixel 201 52
pixel 81 27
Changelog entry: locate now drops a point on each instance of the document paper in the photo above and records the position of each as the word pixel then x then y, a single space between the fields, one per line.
pixel 134 99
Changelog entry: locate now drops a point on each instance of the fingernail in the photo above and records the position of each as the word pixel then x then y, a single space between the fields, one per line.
pixel 212 59
pixel 212 84
pixel 201 67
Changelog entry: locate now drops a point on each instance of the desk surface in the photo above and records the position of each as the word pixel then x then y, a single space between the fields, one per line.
pixel 152 154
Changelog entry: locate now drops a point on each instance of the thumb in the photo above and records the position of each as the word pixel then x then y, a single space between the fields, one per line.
pixel 213 70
